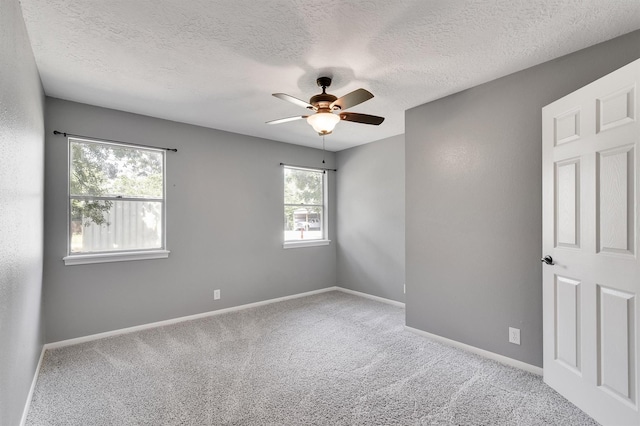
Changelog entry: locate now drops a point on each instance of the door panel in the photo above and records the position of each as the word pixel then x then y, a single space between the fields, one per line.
pixel 567 341
pixel 616 109
pixel 568 203
pixel 567 127
pixel 590 228
pixel 616 342
pixel 615 197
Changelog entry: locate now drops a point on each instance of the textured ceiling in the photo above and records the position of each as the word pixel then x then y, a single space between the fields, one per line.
pixel 215 63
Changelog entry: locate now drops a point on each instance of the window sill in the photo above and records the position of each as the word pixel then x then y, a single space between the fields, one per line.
pixel 83 259
pixel 301 244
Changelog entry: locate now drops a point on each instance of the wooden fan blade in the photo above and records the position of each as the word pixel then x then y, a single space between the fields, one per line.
pixel 361 118
pixel 293 100
pixel 284 120
pixel 352 99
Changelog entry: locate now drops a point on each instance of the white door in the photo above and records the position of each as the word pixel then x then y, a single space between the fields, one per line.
pixel 591 188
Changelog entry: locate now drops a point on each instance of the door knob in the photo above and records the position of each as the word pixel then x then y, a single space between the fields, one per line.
pixel 547 259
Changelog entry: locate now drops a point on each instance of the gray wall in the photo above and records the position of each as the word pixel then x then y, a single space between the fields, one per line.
pixel 224 227
pixel 474 221
pixel 21 198
pixel 371 218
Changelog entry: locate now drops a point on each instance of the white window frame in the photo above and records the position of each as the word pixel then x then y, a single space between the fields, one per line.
pixel 116 255
pixel 324 241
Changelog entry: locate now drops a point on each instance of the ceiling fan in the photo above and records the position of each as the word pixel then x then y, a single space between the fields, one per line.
pixel 324 104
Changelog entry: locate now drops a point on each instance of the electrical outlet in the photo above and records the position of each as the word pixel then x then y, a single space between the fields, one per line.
pixel 216 294
pixel 404 288
pixel 514 335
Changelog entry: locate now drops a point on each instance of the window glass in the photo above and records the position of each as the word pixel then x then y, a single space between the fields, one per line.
pixel 304 210
pixel 116 197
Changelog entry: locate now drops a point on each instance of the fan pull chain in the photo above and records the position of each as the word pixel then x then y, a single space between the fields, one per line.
pixel 323 149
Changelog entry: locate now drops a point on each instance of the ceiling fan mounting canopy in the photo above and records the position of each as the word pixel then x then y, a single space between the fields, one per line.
pixel 323 82
pixel 324 120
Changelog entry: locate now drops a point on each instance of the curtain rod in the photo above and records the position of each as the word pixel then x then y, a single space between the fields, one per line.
pixel 65 134
pixel 308 167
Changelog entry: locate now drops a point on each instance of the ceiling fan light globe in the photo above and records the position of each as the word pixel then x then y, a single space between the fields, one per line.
pixel 323 122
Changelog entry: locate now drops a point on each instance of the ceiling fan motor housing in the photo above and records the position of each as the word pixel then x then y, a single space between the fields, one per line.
pixel 322 100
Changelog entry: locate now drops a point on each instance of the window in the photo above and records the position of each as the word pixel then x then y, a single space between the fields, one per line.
pixel 116 202
pixel 304 207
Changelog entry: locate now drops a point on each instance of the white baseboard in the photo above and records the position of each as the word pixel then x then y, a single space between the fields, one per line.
pixel 32 389
pixel 372 297
pixel 78 340
pixel 491 355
